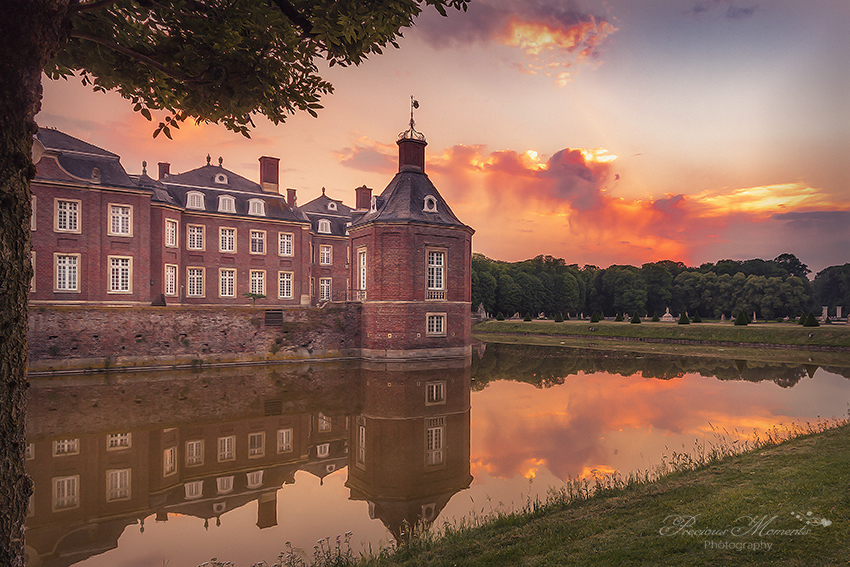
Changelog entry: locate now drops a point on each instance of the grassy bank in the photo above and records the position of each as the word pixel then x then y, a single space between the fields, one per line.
pixel 666 522
pixel 827 345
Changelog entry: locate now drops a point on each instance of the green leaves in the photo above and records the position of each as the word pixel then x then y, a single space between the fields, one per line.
pixel 223 61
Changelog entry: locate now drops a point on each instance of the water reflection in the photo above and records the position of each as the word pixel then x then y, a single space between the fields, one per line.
pixel 181 467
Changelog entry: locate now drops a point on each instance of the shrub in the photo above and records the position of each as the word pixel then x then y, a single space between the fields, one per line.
pixel 827 321
pixel 742 318
pixel 567 317
pixel 635 318
pixel 559 318
pixel 811 321
pixel 655 317
pixel 619 316
pixel 683 319
pixel 527 317
pixel 594 317
pixel 499 316
pixel 802 319
pixel 696 318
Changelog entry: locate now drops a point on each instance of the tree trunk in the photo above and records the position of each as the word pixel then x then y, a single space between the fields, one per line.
pixel 30 31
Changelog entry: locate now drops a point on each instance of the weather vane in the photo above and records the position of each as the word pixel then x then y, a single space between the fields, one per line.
pixel 412 134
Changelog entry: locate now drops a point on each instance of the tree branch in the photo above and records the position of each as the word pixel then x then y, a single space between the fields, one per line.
pixel 297 18
pixel 89 6
pixel 133 54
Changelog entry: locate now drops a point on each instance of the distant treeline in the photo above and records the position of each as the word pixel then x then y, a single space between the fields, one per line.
pixel 769 288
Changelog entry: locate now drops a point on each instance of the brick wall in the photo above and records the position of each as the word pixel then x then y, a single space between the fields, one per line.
pixel 80 338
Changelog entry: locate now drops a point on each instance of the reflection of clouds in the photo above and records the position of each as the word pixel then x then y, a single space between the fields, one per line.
pixel 580 425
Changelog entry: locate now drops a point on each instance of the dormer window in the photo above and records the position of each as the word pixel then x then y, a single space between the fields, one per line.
pixel 374 206
pixel 430 204
pixel 95 175
pixel 226 204
pixel 257 207
pixel 331 206
pixel 325 226
pixel 195 200
pixel 220 178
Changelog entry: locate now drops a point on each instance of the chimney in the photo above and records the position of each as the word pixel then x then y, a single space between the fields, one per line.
pixel 411 154
pixel 164 169
pixel 363 198
pixel 290 198
pixel 269 174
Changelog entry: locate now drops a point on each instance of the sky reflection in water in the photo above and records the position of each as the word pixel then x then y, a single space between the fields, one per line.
pixel 538 416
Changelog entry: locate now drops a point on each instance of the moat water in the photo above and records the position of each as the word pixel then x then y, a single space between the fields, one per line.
pixel 156 469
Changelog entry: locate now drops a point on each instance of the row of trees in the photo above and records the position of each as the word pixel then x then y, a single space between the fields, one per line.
pixel 770 288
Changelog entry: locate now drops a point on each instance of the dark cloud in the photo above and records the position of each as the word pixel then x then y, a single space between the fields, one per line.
pixel 820 221
pixel 733 12
pixel 576 180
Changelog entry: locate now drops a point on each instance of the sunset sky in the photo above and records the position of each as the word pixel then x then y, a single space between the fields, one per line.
pixel 602 132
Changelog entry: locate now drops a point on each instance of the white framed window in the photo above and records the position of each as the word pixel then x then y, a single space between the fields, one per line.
pixel 435 393
pixel 117 485
pixel 323 450
pixel 284 243
pixel 258 282
pixel 361 268
pixel 435 324
pixel 120 220
pixel 227 282
pixel 430 205
pixel 193 490
pixel 227 240
pixel 63 447
pixel 66 270
pixel 361 444
pixel 324 422
pixel 284 285
pixel 30 451
pixel 227 448
pixel 325 254
pixel 120 274
pixel 258 242
pixel 170 279
pixel 284 440
pixel 195 282
pixel 436 266
pixel 66 493
pixel 194 452
pixel 226 204
pixel 257 207
pixel 67 216
pixel 324 289
pixel 434 436
pixel 257 444
pixel 195 237
pixel 171 232
pixel 324 226
pixel 255 479
pixel 169 461
pixel 118 441
pixel 220 178
pixel 332 206
pixel 224 484
pixel 195 200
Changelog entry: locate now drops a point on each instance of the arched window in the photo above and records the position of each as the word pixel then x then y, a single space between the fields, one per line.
pixel 257 207
pixel 325 226
pixel 430 204
pixel 195 200
pixel 226 204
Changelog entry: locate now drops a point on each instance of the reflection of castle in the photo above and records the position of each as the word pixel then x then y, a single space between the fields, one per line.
pixel 105 456
pixel 410 445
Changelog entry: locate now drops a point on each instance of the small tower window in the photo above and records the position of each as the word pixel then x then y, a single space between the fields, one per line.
pixel 195 200
pixel 331 206
pixel 374 206
pixel 220 178
pixel 226 204
pixel 325 226
pixel 257 207
pixel 430 204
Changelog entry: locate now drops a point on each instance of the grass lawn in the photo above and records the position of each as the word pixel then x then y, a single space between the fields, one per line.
pixel 746 509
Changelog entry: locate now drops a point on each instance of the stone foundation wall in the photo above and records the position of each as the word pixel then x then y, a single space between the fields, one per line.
pixel 77 338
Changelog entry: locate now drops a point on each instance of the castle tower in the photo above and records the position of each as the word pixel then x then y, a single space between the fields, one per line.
pixel 411 266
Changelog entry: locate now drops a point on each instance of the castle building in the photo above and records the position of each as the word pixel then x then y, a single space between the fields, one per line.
pixel 210 237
